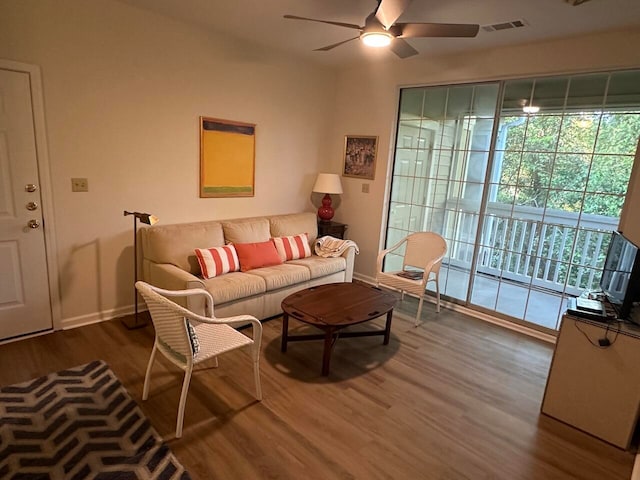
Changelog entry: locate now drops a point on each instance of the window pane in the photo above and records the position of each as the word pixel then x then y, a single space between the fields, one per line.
pixel 401 189
pixel 610 174
pixel 484 100
pixel 619 133
pixel 549 93
pixel 570 171
pixel 511 133
pixel 411 103
pixel 517 93
pixel 405 163
pixel 459 102
pixel 408 134
pixel 598 204
pixel 435 103
pixel 587 91
pixel 624 89
pixel 578 132
pixel 542 133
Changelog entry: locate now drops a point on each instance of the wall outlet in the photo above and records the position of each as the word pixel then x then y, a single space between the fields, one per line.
pixel 365 188
pixel 79 185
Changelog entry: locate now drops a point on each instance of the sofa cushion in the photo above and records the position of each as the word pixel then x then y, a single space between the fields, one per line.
pixel 233 286
pixel 320 266
pixel 280 276
pixel 247 230
pixel 175 244
pixel 257 255
pixel 217 260
pixel 293 247
pixel 293 224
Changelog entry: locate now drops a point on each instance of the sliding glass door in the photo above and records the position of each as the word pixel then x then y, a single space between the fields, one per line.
pixel 524 178
pixel 442 151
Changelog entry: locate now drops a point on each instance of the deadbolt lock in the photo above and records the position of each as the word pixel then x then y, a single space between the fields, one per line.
pixel 30 187
pixel 31 206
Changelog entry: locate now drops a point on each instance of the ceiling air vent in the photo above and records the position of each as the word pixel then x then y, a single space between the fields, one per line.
pixel 505 25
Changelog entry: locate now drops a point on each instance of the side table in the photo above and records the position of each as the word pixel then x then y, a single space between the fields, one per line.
pixel 335 229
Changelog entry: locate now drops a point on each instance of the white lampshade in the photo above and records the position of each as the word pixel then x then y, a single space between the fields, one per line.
pixel 328 183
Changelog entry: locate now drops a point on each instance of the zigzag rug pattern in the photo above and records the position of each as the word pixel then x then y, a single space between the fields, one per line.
pixel 78 424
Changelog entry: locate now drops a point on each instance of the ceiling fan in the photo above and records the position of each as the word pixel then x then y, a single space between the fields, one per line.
pixel 380 29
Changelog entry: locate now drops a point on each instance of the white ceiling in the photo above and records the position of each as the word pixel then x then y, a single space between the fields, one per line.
pixel 260 21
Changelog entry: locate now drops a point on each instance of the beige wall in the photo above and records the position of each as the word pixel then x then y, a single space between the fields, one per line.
pixel 367 98
pixel 123 92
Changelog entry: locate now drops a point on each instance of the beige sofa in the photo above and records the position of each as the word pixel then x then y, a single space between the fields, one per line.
pixel 169 262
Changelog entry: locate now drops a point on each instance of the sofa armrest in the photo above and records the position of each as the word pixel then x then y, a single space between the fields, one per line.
pixel 350 256
pixel 170 277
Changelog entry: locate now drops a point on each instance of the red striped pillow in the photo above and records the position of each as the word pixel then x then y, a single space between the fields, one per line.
pixel 292 248
pixel 217 260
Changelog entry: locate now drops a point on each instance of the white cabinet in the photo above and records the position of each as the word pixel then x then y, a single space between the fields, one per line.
pixel 594 388
pixel 630 216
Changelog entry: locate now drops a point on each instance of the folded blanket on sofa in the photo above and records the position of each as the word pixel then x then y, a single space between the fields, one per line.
pixel 333 247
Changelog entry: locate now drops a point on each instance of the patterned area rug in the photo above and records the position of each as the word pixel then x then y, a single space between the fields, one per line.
pixel 79 423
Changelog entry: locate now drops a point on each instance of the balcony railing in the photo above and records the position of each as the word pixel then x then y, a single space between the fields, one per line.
pixel 551 249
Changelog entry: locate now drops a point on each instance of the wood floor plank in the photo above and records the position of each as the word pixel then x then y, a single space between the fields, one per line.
pixel 455 398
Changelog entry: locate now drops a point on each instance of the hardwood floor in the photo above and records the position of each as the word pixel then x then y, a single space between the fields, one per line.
pixel 455 398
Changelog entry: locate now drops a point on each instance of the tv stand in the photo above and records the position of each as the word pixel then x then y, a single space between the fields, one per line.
pixel 592 387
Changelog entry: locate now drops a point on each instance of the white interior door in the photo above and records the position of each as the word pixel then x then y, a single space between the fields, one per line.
pixel 25 305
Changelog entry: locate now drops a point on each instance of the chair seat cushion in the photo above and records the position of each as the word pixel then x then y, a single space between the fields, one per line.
pixel 390 279
pixel 231 286
pixel 321 267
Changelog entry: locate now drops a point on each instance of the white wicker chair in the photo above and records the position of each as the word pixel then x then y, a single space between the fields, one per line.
pixel 425 251
pixel 214 336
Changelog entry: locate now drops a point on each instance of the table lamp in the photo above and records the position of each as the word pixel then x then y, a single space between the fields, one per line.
pixel 327 183
pixel 148 219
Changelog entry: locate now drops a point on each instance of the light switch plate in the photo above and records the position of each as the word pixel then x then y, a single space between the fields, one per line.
pixel 79 184
pixel 365 188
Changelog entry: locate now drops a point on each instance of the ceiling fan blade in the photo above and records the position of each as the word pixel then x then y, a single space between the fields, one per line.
pixel 329 47
pixel 402 49
pixel 414 30
pixel 338 24
pixel 390 10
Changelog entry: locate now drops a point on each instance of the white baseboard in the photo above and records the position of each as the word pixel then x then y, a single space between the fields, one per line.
pixel 482 316
pixel 96 317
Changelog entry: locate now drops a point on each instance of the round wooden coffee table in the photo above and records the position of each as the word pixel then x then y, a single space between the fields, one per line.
pixel 331 308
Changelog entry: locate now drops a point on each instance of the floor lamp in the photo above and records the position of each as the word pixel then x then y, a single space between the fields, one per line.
pixel 147 219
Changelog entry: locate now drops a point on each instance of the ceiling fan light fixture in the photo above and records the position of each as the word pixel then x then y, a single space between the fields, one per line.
pixel 376 39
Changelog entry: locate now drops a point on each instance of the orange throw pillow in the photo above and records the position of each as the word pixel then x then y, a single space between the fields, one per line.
pixel 256 255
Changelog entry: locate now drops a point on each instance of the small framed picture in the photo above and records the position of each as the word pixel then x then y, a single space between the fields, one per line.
pixel 360 156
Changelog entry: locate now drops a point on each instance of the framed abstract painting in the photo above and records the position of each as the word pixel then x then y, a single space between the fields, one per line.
pixel 227 158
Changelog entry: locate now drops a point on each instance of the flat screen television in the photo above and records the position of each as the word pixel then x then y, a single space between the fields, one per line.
pixel 620 281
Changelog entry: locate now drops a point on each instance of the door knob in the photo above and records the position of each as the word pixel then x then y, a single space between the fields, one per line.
pixel 31 206
pixel 33 224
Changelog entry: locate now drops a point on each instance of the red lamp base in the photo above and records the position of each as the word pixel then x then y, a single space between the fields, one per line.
pixel 325 212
